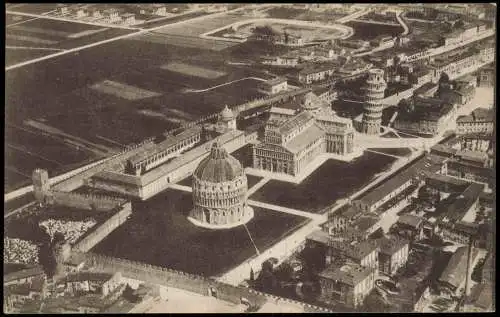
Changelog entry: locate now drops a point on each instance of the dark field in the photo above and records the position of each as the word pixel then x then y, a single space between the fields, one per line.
pixel 172 241
pixel 369 31
pixel 395 151
pixel 57 90
pixel 25 151
pixel 18 202
pixel 36 8
pixel 15 56
pixel 331 181
pixel 26 226
pixel 171 20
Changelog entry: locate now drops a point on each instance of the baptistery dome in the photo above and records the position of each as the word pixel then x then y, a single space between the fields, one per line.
pixel 219 191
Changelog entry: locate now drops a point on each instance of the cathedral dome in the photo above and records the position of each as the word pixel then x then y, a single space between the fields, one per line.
pixel 218 167
pixel 227 114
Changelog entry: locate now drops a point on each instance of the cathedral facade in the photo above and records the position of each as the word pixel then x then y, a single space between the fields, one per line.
pixel 294 138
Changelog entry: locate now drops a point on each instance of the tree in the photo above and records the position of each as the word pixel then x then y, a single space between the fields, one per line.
pixel 459 24
pixel 444 78
pixel 477 272
pixel 252 277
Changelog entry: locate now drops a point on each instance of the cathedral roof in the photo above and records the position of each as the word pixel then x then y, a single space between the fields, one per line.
pixel 218 167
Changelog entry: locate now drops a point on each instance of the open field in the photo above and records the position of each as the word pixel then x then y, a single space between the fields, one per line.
pixel 331 181
pixel 14 56
pixel 11 19
pixel 329 15
pixel 57 90
pixel 368 31
pixel 35 8
pixel 123 91
pixel 192 70
pixel 172 241
pixel 189 41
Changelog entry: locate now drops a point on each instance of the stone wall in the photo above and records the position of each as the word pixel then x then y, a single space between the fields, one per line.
pixel 93 237
pixel 189 282
pixel 85 201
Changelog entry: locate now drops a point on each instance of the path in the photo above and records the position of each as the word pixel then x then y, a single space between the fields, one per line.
pixel 33 48
pixel 286 210
pixel 375 22
pixel 20 149
pixel 403 24
pixel 257 186
pixel 116 38
pixel 222 85
pixel 355 15
pixel 21 22
pixel 381 153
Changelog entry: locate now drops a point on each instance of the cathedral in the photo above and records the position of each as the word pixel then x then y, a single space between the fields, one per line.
pixel 219 192
pixel 294 138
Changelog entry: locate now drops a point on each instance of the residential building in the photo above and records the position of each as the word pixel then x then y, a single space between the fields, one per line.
pixel 128 18
pixel 18 295
pixel 90 282
pixel 326 94
pixel 346 283
pixel 393 254
pixel 452 280
pixel 316 72
pixel 25 276
pixel 364 253
pixel 62 9
pixel 274 86
pixel 487 76
pixel 429 116
pixel 479 121
pixel 409 227
pixel 480 299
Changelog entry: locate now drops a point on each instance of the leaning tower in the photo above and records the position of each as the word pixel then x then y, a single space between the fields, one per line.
pixel 373 91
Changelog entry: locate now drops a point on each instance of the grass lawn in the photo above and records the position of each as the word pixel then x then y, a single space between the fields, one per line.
pixel 160 234
pixel 331 181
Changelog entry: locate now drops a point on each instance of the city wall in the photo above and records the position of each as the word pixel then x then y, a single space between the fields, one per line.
pixel 86 201
pixel 189 282
pixel 93 237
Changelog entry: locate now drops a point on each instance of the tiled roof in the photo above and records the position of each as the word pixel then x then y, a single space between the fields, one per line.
pixel 365 222
pixel 164 145
pixel 456 269
pixel 275 81
pixel 293 123
pixel 87 276
pixel 410 220
pixel 457 210
pixel 349 273
pixel 391 244
pixel 474 156
pixel 31 272
pixel 285 111
pixel 305 138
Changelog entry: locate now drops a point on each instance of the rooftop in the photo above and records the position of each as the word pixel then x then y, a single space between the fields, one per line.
pixel 348 273
pixel 410 220
pixel 86 276
pixel 457 210
pixel 275 81
pixel 478 115
pixel 456 269
pixel 481 296
pixel 305 138
pixel 391 244
pixel 164 145
pixel 474 156
pixel 30 272
pixel 295 122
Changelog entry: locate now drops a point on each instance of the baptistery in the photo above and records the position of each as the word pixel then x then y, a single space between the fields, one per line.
pixel 219 191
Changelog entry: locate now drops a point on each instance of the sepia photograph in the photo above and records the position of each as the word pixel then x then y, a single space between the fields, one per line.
pixel 249 158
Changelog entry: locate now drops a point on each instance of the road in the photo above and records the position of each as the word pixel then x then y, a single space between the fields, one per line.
pixel 222 85
pixel 120 37
pixel 353 16
pixel 403 24
pixel 375 22
pixel 33 48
